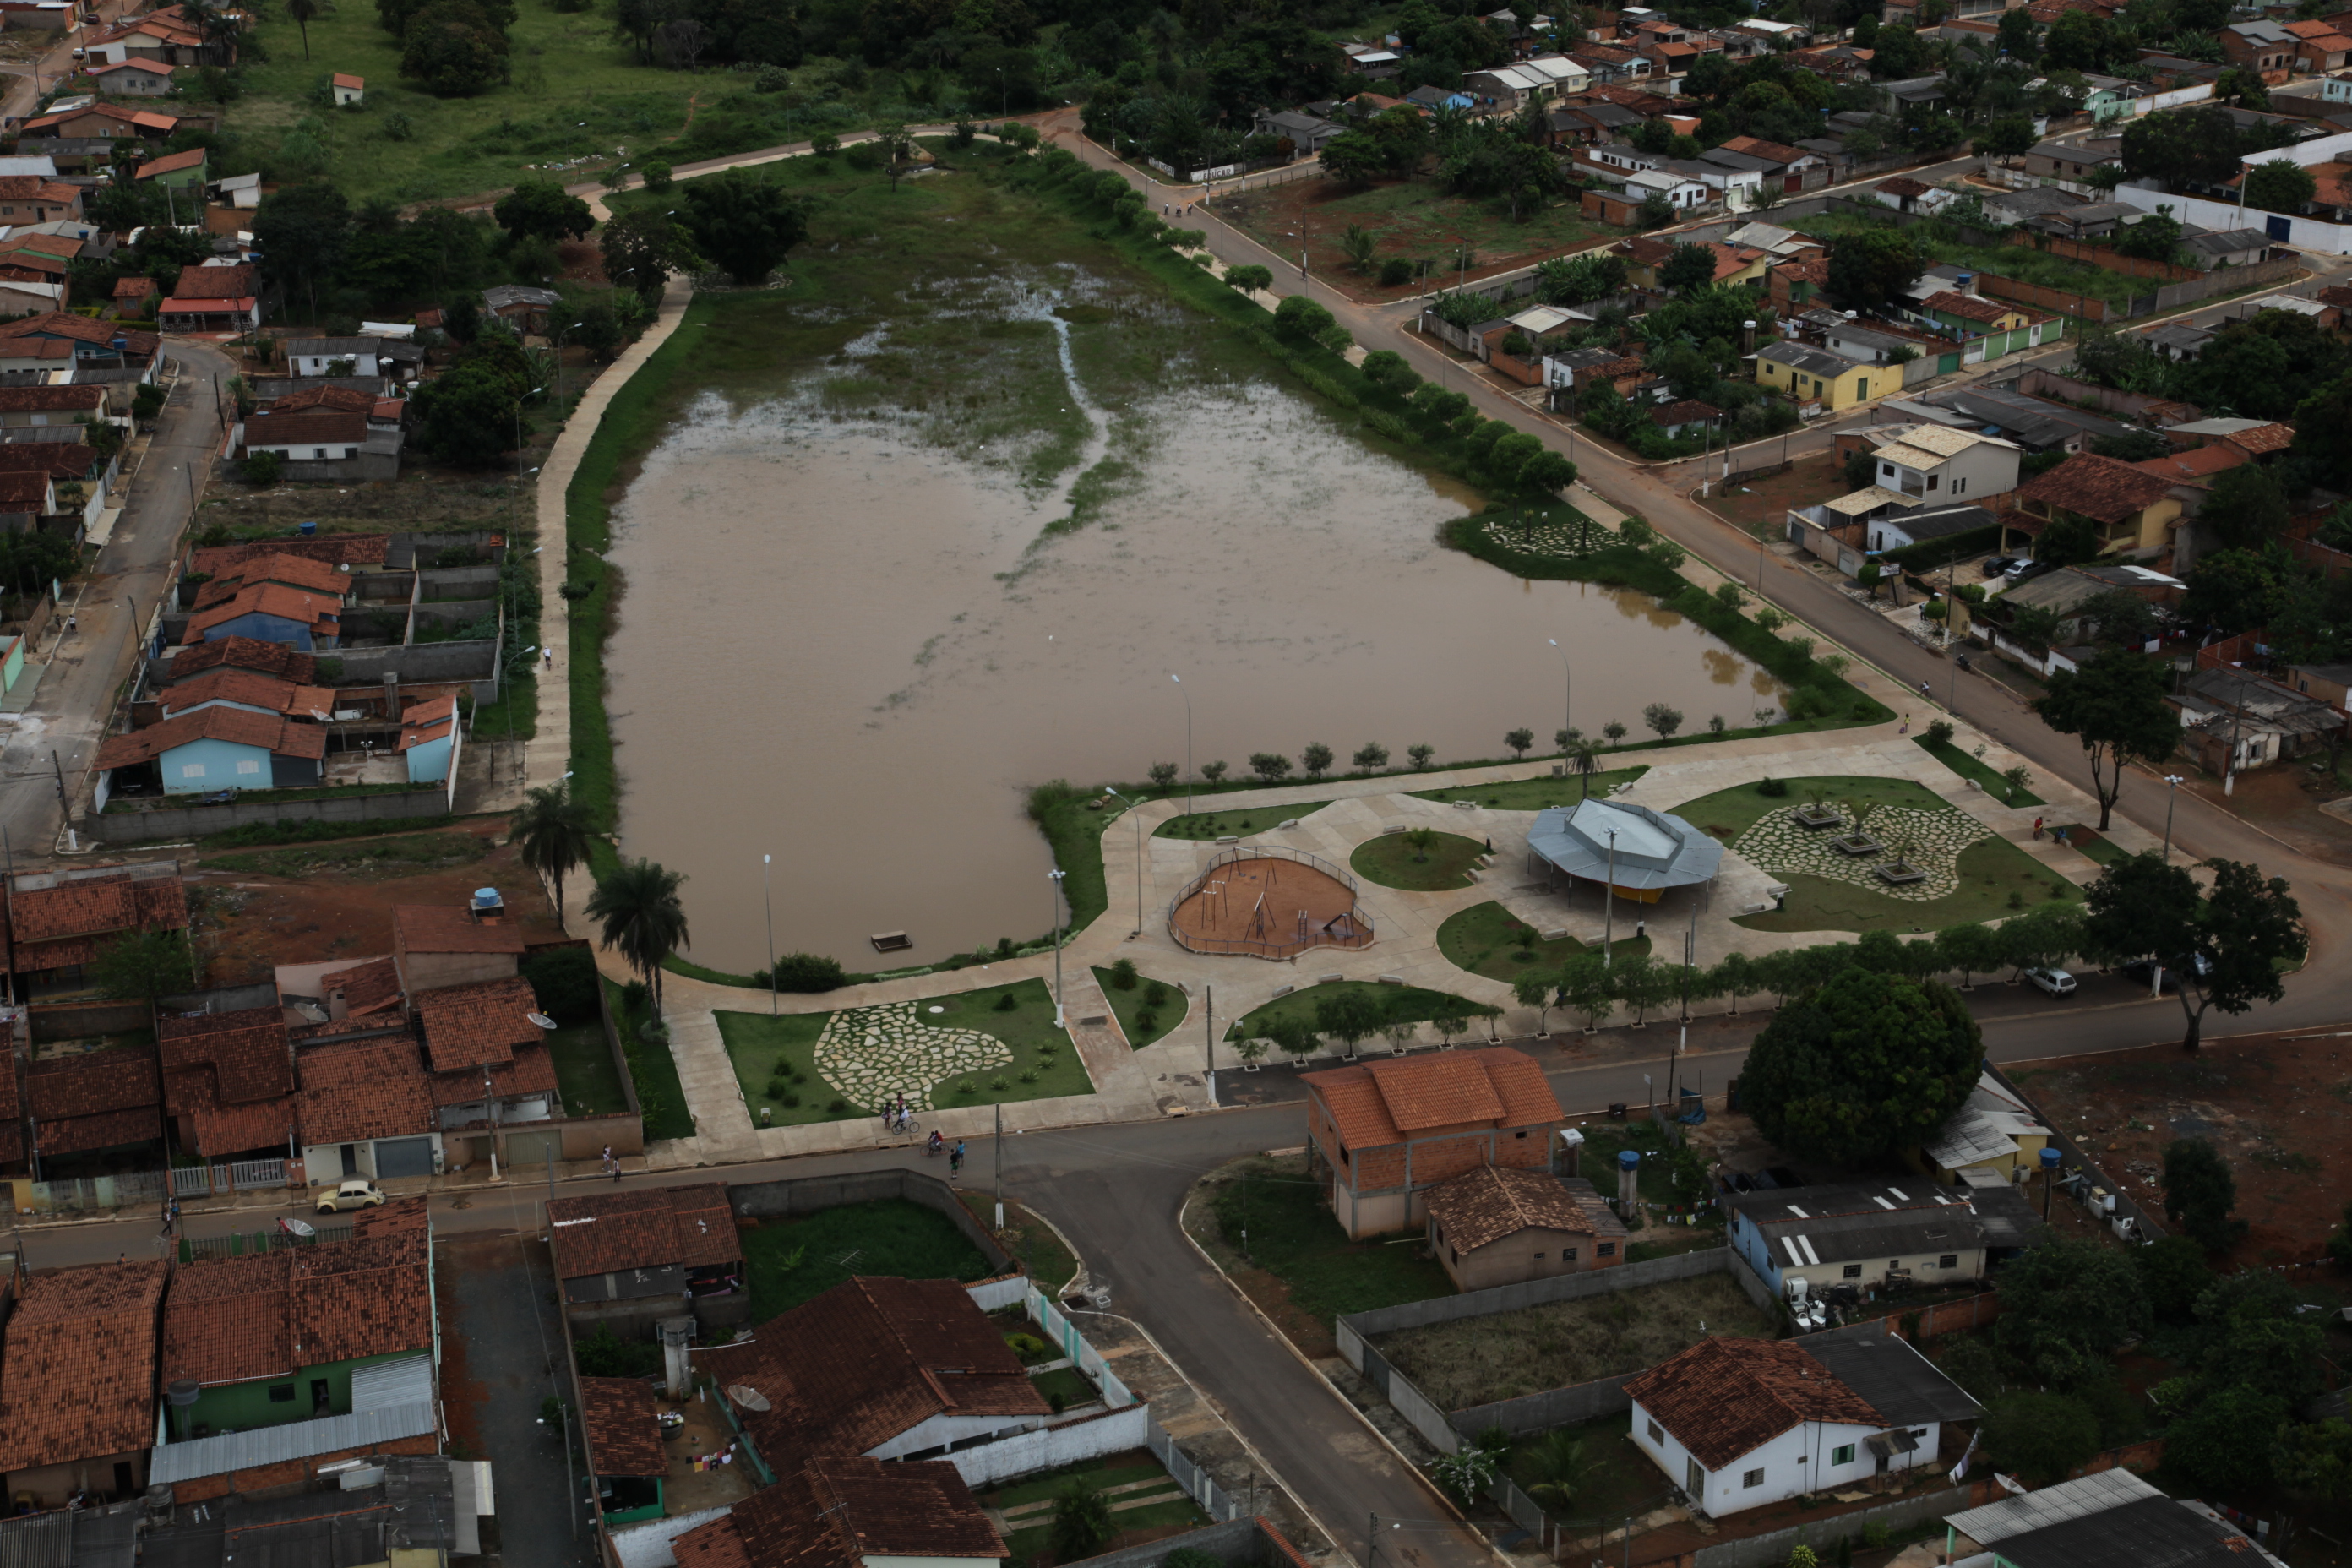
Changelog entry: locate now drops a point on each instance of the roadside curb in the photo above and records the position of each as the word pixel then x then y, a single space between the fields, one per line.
pixel 1366 1422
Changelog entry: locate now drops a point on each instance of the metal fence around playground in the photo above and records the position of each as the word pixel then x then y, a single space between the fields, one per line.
pixel 1354 927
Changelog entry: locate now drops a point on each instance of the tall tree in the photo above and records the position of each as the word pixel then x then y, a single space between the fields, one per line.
pixel 1870 268
pixel 552 834
pixel 2224 947
pixel 302 231
pixel 2199 1192
pixel 744 223
pixel 2281 186
pixel 541 209
pixel 2114 705
pixel 1862 1066
pixel 1687 267
pixel 2066 1306
pixel 642 249
pixel 642 918
pixel 302 12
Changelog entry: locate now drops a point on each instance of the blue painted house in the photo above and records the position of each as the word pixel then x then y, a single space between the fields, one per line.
pixel 273 612
pixel 428 739
pixel 215 748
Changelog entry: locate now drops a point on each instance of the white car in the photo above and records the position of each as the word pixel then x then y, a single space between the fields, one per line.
pixel 351 1195
pixel 2056 982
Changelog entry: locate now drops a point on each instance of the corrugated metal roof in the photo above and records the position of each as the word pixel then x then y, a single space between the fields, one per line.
pixel 388 1384
pixel 37 1541
pixel 107 1537
pixel 275 1445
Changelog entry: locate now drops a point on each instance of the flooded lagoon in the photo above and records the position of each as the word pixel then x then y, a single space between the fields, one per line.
pixel 849 647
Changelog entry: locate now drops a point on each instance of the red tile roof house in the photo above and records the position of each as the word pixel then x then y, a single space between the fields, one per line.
pixel 366 1110
pixel 1387 1131
pixel 843 1513
pixel 213 299
pixel 78 1382
pixel 107 1098
pixel 442 945
pixel 55 922
pixel 288 1343
pixel 100 344
pixel 1502 1225
pixel 228 1082
pixel 481 1047
pixel 627 1259
pixel 891 1369
pixel 1737 1424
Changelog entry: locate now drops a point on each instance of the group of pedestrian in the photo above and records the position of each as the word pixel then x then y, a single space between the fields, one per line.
pixel 896 1117
pixel 611 1163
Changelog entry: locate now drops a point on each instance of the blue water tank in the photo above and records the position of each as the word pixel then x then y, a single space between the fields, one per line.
pixel 1628 1159
pixel 2049 1159
pixel 310 530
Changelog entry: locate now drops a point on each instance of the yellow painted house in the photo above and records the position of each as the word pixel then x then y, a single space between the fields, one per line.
pixel 2126 508
pixel 1993 1132
pixel 1817 376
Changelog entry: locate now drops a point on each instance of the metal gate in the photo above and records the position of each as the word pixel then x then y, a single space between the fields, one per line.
pixel 534 1148
pixel 403 1157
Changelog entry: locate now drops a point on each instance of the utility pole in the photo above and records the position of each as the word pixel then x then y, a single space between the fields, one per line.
pixel 1000 1165
pixel 1209 1036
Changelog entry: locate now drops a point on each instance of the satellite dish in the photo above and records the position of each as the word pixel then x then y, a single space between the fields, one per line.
pixel 749 1397
pixel 542 1019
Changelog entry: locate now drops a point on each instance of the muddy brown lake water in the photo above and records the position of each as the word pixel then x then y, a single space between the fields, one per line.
pixel 849 649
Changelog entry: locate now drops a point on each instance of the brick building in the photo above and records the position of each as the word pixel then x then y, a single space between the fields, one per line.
pixel 1387 1131
pixel 1500 1225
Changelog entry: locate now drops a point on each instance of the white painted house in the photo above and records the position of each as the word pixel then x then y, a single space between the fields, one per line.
pixel 1737 1424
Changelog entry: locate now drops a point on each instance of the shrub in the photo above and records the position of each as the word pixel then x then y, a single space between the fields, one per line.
pixel 1939 733
pixel 1007 1002
pixel 1395 273
pixel 1028 1347
pixel 824 144
pixel 1147 1022
pixel 1773 787
pixel 837 1106
pixel 808 971
pixel 564 979
pixel 605 1354
pixel 657 175
pixel 1123 975
pixel 262 468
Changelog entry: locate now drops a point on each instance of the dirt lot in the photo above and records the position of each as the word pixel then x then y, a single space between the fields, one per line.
pixel 334 899
pixel 1479 1359
pixel 2279 1108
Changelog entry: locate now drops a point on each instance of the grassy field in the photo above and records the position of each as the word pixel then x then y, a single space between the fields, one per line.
pixel 515 715
pixel 568 69
pixel 1065 1387
pixel 1238 820
pixel 780 1053
pixel 1141 1017
pixel 1727 813
pixel 1029 1239
pixel 1293 1237
pixel 1487 941
pixel 1988 777
pixel 2020 262
pixel 1137 1471
pixel 1405 1003
pixel 659 1093
pixel 2105 851
pixel 1409 219
pixel 792 1260
pixel 364 859
pixel 1992 870
pixel 1394 861
pixel 1619 1479
pixel 1475 1361
pixel 1536 793
pixel 585 1073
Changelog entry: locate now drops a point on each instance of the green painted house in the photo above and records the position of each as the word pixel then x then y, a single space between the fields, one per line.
pixel 625 1447
pixel 303 1333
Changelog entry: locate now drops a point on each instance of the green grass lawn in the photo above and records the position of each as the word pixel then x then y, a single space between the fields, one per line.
pixel 659 1094
pixel 2105 851
pixel 1413 219
pixel 764 1048
pixel 1992 870
pixel 792 1260
pixel 1729 813
pixel 585 1073
pixel 1484 939
pixel 1536 793
pixel 1393 861
pixel 1035 1528
pixel 1237 820
pixel 2022 263
pixel 1404 1003
pixel 1029 1239
pixel 392 857
pixel 1618 1477
pixel 1293 1237
pixel 514 716
pixel 1065 1387
pixel 1141 1018
pixel 1987 776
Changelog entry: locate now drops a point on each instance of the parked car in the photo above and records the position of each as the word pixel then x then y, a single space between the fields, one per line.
pixel 2142 971
pixel 2056 982
pixel 1996 564
pixel 351 1195
pixel 2017 570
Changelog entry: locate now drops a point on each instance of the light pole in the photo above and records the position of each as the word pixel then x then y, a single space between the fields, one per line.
pixel 1188 742
pixel 1567 693
pixel 767 904
pixel 2170 795
pixel 1608 907
pixel 1053 879
pixel 559 361
pixel 490 1104
pixel 1132 806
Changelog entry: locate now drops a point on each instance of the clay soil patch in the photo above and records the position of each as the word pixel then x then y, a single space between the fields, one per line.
pixel 2278 1106
pixel 247 922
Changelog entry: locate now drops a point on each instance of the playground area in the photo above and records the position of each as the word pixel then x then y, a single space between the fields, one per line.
pixel 1268 903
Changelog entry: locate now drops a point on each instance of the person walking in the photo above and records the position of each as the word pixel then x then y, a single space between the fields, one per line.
pixel 955 1158
pixel 2037 828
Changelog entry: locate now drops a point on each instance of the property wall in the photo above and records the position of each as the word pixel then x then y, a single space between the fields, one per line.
pixel 806 1194
pixel 1532 1254
pixel 126 823
pixel 2303 233
pixel 1089 1438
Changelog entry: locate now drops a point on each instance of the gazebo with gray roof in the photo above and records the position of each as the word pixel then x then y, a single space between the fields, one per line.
pixel 1639 851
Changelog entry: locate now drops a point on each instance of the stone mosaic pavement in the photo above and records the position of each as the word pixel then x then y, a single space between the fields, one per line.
pixel 876 1053
pixel 1930 841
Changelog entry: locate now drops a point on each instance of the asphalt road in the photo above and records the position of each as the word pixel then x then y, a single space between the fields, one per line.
pixel 112 604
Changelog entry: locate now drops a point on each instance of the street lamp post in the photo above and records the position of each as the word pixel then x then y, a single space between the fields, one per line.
pixel 1132 807
pixel 1567 691
pixel 769 905
pixel 490 1104
pixel 2171 794
pixel 559 360
pixel 1188 742
pixel 1053 879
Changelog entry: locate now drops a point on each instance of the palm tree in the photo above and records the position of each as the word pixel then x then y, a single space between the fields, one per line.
pixel 642 918
pixel 551 832
pixel 1584 756
pixel 303 12
pixel 1558 1462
